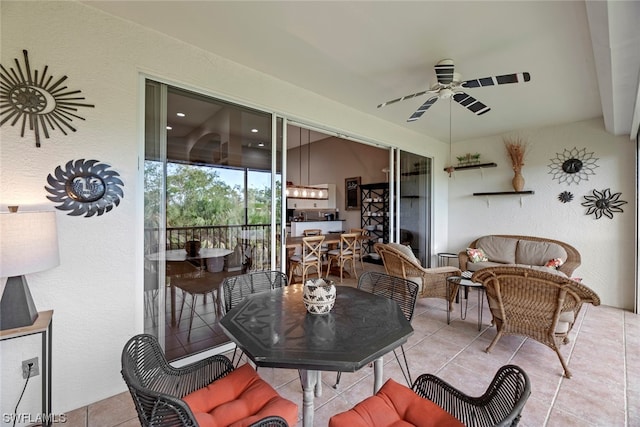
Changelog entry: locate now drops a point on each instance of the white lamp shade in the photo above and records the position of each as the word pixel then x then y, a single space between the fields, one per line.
pixel 28 243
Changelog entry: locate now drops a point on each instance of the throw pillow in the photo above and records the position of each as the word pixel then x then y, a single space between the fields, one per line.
pixel 554 263
pixel 476 255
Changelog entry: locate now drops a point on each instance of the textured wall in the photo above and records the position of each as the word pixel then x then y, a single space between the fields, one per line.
pixel 96 291
pixel 606 245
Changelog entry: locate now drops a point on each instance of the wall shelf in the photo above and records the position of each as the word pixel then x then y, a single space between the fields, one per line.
pixel 477 166
pixel 504 193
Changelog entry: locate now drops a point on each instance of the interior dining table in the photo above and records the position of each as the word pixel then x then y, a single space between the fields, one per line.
pixel 274 329
pixel 329 239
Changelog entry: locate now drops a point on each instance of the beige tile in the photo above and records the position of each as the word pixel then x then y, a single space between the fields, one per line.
pixel 75 418
pixel 602 355
pixel 112 411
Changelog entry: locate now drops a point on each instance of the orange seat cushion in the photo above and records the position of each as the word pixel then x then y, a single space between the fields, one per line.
pixel 395 406
pixel 239 399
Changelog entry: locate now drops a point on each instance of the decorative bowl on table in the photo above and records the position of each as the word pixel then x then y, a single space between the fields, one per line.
pixel 319 296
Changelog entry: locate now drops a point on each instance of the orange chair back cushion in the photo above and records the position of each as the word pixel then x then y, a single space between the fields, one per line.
pixel 395 406
pixel 238 400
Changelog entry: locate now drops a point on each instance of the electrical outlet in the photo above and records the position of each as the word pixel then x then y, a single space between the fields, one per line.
pixel 35 369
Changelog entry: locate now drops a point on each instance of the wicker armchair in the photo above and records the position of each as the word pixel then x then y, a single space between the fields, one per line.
pixel 157 388
pixel 432 282
pixel 536 304
pixel 500 405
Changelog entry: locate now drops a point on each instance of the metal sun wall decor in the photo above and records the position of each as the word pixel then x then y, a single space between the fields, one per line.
pixel 85 188
pixel 603 203
pixel 37 100
pixel 573 165
pixel 565 196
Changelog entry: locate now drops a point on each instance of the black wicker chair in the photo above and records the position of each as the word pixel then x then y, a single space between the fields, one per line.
pixel 157 388
pixel 400 290
pixel 237 288
pixel 500 405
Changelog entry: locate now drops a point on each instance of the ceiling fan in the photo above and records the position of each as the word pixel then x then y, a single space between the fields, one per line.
pixel 449 84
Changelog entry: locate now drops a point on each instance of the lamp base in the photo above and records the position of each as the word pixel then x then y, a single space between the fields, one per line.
pixel 17 308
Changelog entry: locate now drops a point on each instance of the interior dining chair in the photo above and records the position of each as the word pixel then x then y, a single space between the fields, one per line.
pixel 317 232
pixel 403 292
pixel 311 232
pixel 311 257
pixel 237 288
pixel 359 247
pixel 206 392
pixel 344 253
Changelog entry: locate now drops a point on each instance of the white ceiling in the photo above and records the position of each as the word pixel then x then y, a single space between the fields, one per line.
pixel 362 53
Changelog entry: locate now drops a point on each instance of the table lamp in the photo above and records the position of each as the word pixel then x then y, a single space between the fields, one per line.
pixel 28 244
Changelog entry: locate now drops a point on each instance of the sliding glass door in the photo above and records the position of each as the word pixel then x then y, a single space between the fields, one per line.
pixel 212 209
pixel 413 200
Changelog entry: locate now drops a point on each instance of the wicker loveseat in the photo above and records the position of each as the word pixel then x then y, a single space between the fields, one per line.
pixel 523 251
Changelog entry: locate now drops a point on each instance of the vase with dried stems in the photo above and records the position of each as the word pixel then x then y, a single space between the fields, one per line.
pixel 516 149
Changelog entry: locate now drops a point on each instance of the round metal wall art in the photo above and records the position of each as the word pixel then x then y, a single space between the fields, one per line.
pixel 37 102
pixel 85 188
pixel 572 166
pixel 565 196
pixel 603 203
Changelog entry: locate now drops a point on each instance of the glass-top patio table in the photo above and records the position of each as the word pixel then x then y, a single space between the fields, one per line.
pixel 274 330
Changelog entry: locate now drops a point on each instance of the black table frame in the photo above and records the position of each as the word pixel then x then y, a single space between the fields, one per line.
pixel 465 282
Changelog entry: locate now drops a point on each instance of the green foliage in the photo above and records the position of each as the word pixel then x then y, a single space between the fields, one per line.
pixel 198 196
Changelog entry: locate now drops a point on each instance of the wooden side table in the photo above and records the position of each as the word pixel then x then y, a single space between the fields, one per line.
pixel 43 325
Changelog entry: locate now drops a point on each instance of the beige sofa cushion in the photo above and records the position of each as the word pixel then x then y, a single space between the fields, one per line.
pixel 499 249
pixel 538 253
pixel 475 266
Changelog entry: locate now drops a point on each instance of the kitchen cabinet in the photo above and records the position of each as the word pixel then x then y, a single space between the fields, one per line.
pixel 374 211
pixel 303 204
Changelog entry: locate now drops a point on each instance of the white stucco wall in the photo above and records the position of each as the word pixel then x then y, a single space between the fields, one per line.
pixel 606 245
pixel 96 291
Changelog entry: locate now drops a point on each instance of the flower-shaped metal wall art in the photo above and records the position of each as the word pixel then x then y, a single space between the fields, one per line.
pixel 36 101
pixel 85 188
pixel 603 203
pixel 565 197
pixel 572 166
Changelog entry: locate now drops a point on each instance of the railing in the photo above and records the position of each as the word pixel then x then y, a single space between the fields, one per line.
pixel 253 240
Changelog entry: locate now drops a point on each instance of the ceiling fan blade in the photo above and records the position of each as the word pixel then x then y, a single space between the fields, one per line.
pixel 498 80
pixel 444 71
pixel 424 107
pixel 393 101
pixel 471 103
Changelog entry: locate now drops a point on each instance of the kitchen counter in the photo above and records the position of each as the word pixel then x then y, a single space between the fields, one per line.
pixel 298 227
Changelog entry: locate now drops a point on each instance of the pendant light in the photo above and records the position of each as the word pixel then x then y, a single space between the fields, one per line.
pixel 306 192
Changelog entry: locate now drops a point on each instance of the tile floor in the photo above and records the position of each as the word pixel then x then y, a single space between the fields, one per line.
pixel 603 357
